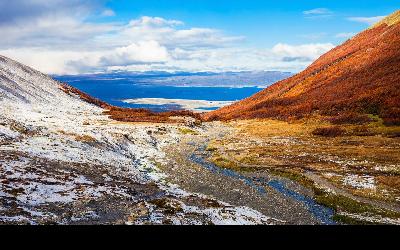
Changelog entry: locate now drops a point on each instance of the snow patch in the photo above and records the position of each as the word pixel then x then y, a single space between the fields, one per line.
pixel 359 181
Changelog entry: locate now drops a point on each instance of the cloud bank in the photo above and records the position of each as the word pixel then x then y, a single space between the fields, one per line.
pixel 60 37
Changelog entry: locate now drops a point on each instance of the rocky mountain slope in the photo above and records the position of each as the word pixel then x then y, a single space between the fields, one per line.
pixel 362 75
pixel 63 161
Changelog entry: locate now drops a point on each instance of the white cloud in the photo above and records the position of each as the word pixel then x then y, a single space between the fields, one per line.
pixel 136 53
pixel 108 13
pixel 345 35
pixel 311 51
pixel 45 60
pixel 56 38
pixel 64 32
pixel 146 56
pixel 318 13
pixel 147 21
pixel 48 24
pixel 366 20
pixel 168 33
pixel 21 11
pixel 282 57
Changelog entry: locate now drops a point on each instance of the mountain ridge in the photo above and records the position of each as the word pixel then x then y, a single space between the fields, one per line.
pixel 390 20
pixel 361 75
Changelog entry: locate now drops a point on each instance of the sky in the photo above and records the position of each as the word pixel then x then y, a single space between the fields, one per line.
pixel 93 36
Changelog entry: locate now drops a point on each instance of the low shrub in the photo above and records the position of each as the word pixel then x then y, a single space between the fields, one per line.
pixel 350 118
pixel 391 116
pixel 363 131
pixel 391 121
pixel 329 132
pixel 393 135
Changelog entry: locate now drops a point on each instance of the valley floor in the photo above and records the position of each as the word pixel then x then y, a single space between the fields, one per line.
pixel 80 167
pixel 63 160
pixel 278 167
pixel 98 171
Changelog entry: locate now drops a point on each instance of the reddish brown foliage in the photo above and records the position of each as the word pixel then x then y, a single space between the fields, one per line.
pixel 392 121
pixel 350 118
pixel 360 76
pixel 87 98
pixel 391 116
pixel 329 132
pixel 363 131
pixel 127 114
pixel 143 115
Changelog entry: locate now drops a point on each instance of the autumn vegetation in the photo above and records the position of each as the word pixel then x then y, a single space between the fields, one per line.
pixel 361 76
pixel 323 157
pixel 129 114
pixel 350 118
pixel 329 131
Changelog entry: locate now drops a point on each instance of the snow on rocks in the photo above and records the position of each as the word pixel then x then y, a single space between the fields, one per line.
pixel 359 181
pixel 372 219
pixel 43 129
pixel 223 215
pixel 8 133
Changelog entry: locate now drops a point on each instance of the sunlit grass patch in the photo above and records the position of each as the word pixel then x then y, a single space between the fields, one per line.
pixel 187 131
pixel 289 149
pixel 342 204
pixel 223 162
pixel 350 118
pixel 294 175
pixel 211 148
pixel 85 138
pixel 329 131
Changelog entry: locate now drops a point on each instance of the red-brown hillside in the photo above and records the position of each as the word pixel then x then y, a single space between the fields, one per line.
pixel 362 75
pixel 130 114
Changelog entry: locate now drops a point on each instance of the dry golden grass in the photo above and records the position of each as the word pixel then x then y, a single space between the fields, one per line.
pixel 291 147
pixel 389 20
pixel 79 138
pixel 390 181
pixel 65 133
pixel 268 127
pixel 85 138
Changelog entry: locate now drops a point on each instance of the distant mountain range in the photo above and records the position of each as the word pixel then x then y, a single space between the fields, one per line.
pixel 189 79
pixel 362 75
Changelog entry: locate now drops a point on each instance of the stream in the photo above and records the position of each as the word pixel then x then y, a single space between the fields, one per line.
pixel 321 213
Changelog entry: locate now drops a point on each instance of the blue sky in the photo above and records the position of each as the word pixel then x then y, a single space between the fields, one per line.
pixel 84 36
pixel 263 22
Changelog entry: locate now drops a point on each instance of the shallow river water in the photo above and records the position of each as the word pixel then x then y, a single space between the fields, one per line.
pixel 321 213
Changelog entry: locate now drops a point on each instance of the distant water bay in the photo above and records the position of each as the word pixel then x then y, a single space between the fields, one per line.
pixel 159 98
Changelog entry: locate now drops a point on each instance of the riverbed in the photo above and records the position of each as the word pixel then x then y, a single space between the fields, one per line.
pixel 274 196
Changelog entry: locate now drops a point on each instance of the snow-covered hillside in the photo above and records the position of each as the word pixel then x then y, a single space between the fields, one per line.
pixel 63 161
